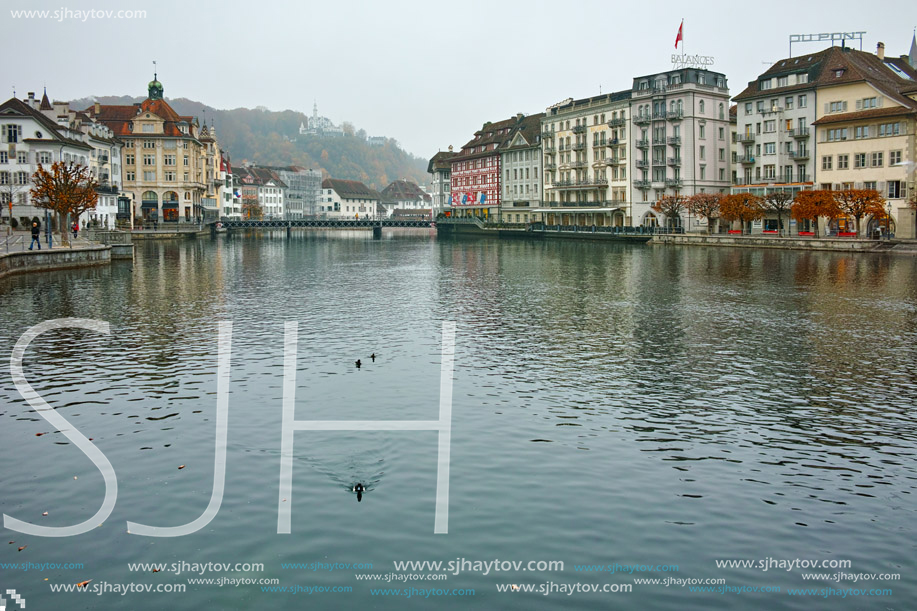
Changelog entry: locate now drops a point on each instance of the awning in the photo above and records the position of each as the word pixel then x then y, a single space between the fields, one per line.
pixel 149 204
pixel 576 210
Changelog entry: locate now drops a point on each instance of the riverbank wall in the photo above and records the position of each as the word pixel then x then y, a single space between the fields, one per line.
pixel 29 261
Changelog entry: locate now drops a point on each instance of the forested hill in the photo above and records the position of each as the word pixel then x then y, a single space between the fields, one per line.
pixel 272 138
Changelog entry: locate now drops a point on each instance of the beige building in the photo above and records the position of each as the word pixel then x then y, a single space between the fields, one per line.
pixel 584 149
pixel 170 166
pixel 866 121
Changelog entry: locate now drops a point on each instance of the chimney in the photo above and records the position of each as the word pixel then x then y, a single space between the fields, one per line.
pixel 31 101
pixel 880 51
pixel 98 108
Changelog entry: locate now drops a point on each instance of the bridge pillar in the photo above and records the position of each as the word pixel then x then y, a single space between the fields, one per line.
pixel 289 230
pixel 377 232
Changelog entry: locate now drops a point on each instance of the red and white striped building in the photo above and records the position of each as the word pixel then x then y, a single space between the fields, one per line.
pixel 476 170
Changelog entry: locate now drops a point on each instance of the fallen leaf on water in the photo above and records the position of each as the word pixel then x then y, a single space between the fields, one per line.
pixel 11 542
pixel 39 434
pixel 74 477
pixel 514 586
pixel 181 467
pixel 45 513
pixel 23 547
pixel 83 584
pixel 156 570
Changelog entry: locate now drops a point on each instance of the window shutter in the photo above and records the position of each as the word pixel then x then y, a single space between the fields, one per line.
pixel 879 102
pixel 826 108
pixel 845 104
pixel 859 104
pixel 880 186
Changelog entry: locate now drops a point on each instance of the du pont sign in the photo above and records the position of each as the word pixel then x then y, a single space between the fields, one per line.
pixel 691 61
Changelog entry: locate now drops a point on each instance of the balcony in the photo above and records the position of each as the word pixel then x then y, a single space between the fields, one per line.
pixel 579 146
pixel 800 133
pixel 642 119
pixel 642 144
pixel 642 164
pixel 675 140
pixel 577 164
pixel 550 150
pixel 658 141
pixel 599 144
pixel 579 129
pixel 674 161
pixel 659 161
pixel 673 182
pixel 674 115
pixel 799 155
pixel 747 159
pixel 745 138
pixel 550 166
pixel 642 184
pixel 617 122
pixel 617 161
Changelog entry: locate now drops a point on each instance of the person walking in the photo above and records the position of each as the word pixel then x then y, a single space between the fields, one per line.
pixel 75 227
pixel 36 233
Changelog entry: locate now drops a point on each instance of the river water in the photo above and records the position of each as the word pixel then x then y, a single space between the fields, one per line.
pixel 657 408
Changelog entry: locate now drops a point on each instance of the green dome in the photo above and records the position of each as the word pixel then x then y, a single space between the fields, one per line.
pixel 155 89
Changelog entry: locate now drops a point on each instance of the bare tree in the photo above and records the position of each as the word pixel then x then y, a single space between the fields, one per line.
pixel 779 202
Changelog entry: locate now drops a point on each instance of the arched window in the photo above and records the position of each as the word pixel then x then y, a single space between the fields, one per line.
pixel 721 110
pixel 700 107
pixel 150 196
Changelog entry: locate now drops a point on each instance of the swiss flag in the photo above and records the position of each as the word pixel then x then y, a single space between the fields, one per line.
pixel 680 38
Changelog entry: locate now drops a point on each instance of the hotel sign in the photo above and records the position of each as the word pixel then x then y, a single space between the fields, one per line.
pixel 691 61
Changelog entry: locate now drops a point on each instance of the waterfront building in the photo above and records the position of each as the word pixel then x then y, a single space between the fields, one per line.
pixel 29 137
pixel 679 143
pixel 522 176
pixel 584 148
pixel 405 199
pixel 865 127
pixel 476 171
pixel 104 160
pixel 264 189
pixel 348 199
pixel 303 190
pixel 168 169
pixel 440 168
pixel 231 201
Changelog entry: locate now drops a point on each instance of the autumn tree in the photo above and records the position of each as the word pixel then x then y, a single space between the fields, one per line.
pixel 671 206
pixel 779 202
pixel 742 207
pixel 251 209
pixel 68 189
pixel 812 204
pixel 705 205
pixel 860 203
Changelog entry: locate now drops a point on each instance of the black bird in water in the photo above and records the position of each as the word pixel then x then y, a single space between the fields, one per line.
pixel 373 357
pixel 358 488
pixel 358 363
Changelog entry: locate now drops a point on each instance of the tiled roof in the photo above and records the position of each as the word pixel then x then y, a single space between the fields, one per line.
pixel 403 190
pixel 350 189
pixel 834 66
pixel 118 118
pixel 872 113
pixel 255 176
pixel 530 129
pixel 492 136
pixel 15 106
pixel 441 161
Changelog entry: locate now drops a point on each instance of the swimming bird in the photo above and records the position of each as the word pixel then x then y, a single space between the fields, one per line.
pixel 358 488
pixel 358 363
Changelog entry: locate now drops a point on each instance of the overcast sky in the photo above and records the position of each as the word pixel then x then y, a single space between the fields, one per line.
pixel 426 73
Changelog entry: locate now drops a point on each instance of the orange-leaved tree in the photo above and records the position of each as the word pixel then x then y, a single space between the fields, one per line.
pixel 68 189
pixel 706 206
pixel 810 205
pixel 780 202
pixel 671 206
pixel 742 207
pixel 860 203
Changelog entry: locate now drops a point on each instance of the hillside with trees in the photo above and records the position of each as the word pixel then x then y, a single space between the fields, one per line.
pixel 267 137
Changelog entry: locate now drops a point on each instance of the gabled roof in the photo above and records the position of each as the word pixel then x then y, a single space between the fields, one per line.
pixel 403 190
pixel 15 107
pixel 118 118
pixel 527 133
pixel 350 189
pixel 441 161
pixel 835 66
pixel 254 176
pixel 492 137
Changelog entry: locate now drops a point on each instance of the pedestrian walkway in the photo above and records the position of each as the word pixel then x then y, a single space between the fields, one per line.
pixel 18 241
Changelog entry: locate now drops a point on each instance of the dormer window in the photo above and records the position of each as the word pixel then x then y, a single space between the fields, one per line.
pixel 839 73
